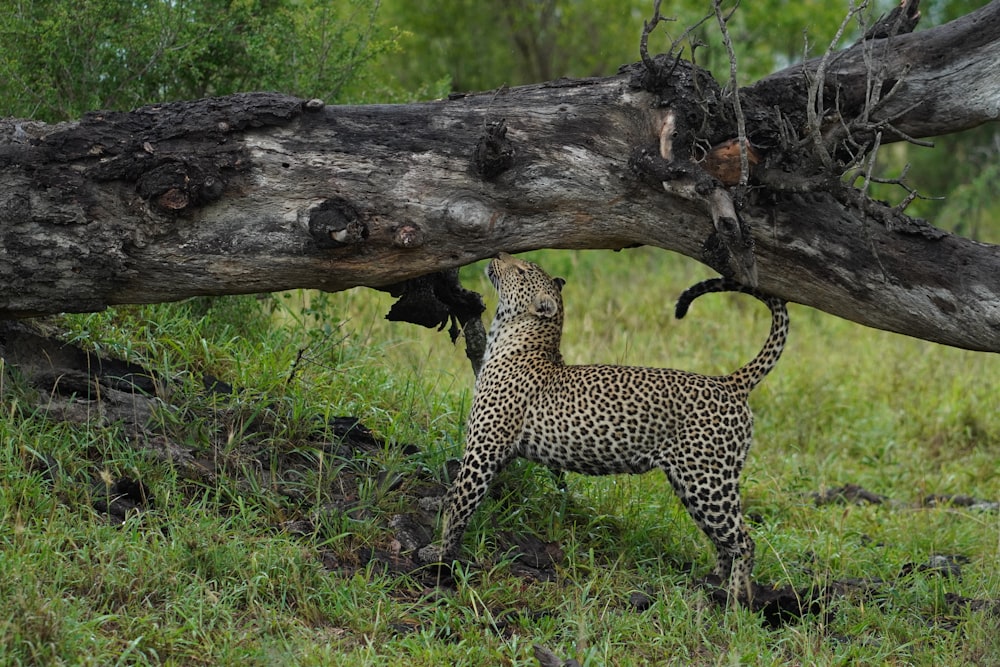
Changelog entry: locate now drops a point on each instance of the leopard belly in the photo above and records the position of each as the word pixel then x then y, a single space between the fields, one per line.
pixel 580 423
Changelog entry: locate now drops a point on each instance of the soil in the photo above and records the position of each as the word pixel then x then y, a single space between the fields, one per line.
pixel 78 386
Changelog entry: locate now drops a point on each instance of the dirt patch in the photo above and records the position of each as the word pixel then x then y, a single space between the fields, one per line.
pixel 959 500
pixel 848 494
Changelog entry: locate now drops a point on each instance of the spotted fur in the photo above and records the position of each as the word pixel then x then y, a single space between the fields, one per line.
pixel 605 419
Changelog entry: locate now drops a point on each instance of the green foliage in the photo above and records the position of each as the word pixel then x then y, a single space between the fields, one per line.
pixel 485 45
pixel 958 193
pixel 61 58
pixel 479 45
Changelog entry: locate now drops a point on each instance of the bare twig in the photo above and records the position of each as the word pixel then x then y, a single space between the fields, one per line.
pixel 911 193
pixel 866 202
pixel 741 123
pixel 676 49
pixel 815 108
pixel 925 143
pixel 647 28
pixel 303 354
pixel 905 17
pixel 872 156
pixel 687 32
pixel 888 124
pixel 881 126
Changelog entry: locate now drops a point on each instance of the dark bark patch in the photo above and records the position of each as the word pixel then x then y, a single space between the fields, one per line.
pixel 432 300
pixel 64 369
pixel 335 223
pixel 160 148
pixel 715 254
pixel 777 605
pixel 960 500
pixel 848 494
pixel 534 558
pixel 120 498
pixel 901 20
pixel 494 152
pixel 408 237
pixel 176 185
pixel 959 603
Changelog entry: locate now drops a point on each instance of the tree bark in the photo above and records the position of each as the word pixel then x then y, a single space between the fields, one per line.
pixel 264 192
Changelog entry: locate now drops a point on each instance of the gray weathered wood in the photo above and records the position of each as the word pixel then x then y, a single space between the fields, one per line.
pixel 263 192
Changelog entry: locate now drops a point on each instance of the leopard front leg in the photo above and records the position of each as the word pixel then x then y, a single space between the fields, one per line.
pixel 480 466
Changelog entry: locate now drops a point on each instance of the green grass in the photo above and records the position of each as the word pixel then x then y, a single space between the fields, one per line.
pixel 210 576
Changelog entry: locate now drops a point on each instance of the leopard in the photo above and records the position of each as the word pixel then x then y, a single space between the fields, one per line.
pixel 609 419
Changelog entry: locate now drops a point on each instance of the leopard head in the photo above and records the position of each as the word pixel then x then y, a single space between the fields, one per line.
pixel 530 310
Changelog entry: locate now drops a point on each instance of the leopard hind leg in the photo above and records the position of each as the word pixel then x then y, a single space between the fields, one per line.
pixel 713 501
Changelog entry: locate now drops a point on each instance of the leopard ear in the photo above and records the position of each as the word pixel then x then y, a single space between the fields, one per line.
pixel 544 306
pixel 559 283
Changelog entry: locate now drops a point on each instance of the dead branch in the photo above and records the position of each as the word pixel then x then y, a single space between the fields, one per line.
pixel 262 192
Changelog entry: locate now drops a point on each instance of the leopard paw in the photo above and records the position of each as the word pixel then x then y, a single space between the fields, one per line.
pixel 432 553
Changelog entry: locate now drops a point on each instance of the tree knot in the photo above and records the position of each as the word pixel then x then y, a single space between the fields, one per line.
pixel 335 223
pixel 494 153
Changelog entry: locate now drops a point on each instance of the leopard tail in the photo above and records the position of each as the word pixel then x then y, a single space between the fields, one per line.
pixel 750 375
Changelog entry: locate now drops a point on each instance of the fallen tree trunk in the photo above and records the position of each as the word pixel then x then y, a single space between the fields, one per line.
pixel 264 192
